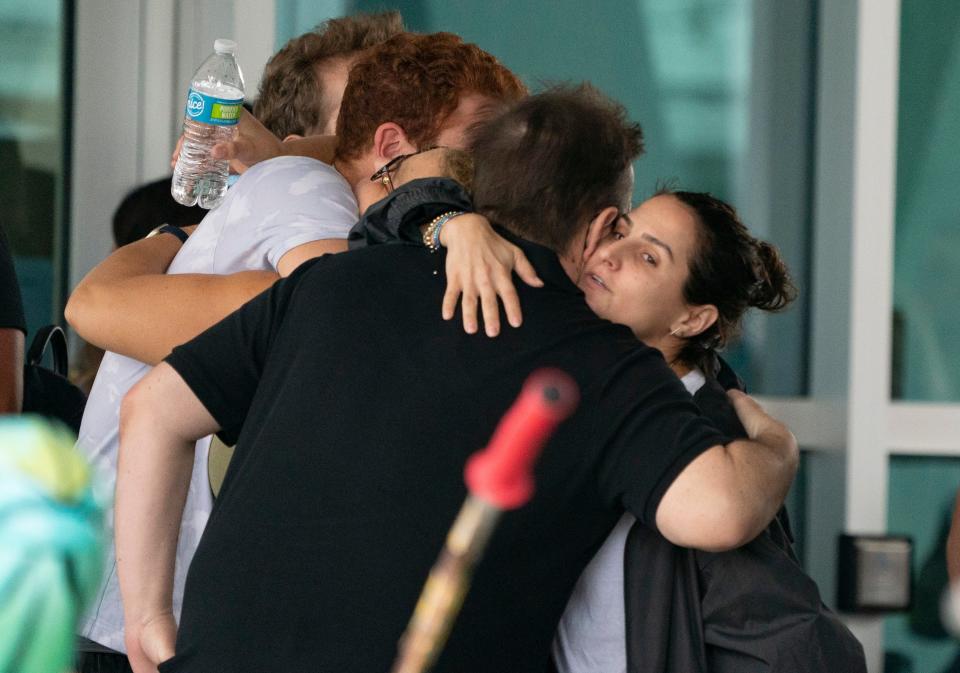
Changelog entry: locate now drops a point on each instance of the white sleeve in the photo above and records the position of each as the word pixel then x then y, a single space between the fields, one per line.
pixel 289 201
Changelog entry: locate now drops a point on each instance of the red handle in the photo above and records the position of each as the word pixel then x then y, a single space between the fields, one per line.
pixel 501 474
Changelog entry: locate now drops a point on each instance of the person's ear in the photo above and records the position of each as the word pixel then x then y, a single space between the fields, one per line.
pixel 389 141
pixel 697 320
pixel 598 228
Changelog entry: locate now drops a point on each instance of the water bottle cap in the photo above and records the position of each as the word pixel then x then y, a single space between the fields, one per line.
pixel 225 46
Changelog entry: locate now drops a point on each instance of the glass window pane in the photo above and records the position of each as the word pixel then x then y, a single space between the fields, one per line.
pixel 31 147
pixel 927 253
pixel 921 493
pixel 722 88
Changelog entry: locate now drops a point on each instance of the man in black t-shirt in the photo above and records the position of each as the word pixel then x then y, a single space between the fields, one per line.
pixel 355 407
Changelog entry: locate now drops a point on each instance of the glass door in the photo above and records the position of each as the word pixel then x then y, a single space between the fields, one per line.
pixel 33 136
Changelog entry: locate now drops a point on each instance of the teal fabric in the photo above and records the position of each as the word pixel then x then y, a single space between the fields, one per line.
pixel 927 246
pixel 50 545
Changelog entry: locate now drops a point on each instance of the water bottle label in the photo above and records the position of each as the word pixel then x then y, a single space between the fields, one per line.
pixel 212 110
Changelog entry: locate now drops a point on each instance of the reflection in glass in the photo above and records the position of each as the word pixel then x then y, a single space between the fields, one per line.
pixel 721 87
pixel 31 145
pixel 927 252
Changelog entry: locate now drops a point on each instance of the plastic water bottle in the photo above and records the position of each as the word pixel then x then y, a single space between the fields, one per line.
pixel 213 110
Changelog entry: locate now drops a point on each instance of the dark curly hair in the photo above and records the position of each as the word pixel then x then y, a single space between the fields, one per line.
pixel 731 270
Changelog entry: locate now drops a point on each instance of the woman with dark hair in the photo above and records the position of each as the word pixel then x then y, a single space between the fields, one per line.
pixel 680 271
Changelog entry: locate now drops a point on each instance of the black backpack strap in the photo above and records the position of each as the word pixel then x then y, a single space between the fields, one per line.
pixel 52 336
pixel 46 390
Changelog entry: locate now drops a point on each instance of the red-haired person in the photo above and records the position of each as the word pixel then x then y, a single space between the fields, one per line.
pixel 411 92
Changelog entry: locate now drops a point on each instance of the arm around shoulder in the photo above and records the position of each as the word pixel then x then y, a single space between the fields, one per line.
pixel 128 305
pixel 726 496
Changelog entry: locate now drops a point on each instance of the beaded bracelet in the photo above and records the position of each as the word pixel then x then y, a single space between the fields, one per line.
pixel 431 236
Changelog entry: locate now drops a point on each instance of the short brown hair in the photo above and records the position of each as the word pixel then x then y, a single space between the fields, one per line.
pixel 548 165
pixel 416 81
pixel 458 165
pixel 291 98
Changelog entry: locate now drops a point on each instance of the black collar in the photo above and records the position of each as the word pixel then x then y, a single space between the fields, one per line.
pixel 398 216
pixel 544 260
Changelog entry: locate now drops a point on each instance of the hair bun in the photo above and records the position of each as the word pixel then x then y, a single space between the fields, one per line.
pixel 773 289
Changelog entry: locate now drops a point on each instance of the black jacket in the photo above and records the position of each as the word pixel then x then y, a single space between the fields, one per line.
pixel 749 610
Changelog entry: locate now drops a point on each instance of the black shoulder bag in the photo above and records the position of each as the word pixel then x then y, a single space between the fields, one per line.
pixel 47 391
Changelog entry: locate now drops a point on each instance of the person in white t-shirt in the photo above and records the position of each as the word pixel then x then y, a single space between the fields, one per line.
pixel 280 213
pixel 299 95
pixel 277 207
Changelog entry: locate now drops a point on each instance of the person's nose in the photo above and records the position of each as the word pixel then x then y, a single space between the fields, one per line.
pixel 612 256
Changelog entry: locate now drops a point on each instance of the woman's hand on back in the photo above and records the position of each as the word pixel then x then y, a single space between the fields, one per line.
pixel 479 266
